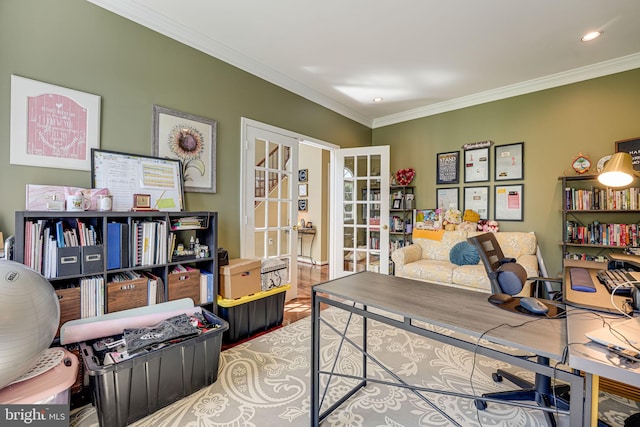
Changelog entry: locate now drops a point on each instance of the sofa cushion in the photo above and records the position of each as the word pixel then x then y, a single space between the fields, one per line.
pixel 429 270
pixel 464 253
pixel 471 277
pixel 514 243
pixel 439 249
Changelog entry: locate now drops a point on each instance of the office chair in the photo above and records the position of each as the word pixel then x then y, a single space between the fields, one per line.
pixel 508 277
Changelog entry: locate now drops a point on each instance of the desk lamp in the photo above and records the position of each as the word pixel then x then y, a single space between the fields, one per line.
pixel 618 172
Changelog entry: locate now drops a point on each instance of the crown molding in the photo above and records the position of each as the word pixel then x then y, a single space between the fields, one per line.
pixel 600 69
pixel 148 18
pixel 161 24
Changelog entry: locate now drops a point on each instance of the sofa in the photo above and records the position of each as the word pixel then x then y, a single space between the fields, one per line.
pixel 428 258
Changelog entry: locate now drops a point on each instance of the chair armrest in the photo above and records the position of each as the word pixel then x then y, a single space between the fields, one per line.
pixel 406 254
pixel 537 290
pixel 546 279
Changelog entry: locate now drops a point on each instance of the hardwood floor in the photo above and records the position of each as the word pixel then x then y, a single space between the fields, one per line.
pixel 308 276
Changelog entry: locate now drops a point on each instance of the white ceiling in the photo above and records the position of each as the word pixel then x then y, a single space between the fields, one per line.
pixel 422 56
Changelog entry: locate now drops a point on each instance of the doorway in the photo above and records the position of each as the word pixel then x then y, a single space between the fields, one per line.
pixel 272 187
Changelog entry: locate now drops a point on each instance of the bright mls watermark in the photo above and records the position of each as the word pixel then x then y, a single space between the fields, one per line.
pixel 34 415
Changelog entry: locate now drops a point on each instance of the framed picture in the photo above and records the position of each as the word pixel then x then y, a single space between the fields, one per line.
pixel 397 204
pixel 303 175
pixel 302 190
pixel 302 205
pixel 52 126
pixel 191 139
pixel 509 202
pixel 448 167
pixel 476 165
pixel 477 199
pixel 509 162
pixel 447 198
pixel 631 146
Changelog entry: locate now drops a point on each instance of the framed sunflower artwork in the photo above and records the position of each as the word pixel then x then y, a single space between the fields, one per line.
pixel 190 139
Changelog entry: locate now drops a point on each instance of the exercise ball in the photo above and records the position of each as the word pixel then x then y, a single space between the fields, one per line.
pixel 29 317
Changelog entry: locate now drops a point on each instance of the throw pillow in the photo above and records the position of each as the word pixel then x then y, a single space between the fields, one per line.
pixel 464 253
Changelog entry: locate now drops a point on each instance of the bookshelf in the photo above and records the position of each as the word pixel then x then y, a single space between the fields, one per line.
pixel 401 205
pixel 101 262
pixel 597 220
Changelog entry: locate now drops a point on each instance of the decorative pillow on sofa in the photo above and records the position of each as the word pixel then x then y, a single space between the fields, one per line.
pixel 464 253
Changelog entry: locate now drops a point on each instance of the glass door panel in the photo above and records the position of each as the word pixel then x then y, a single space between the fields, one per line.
pixel 365 242
pixel 268 230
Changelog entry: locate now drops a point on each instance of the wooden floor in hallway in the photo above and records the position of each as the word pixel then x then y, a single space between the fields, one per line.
pixel 300 307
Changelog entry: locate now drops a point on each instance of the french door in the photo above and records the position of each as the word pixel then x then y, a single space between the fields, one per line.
pixel 360 228
pixel 269 206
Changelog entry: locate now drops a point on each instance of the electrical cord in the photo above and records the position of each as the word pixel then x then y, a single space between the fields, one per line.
pixel 624 354
pixel 613 293
pixel 477 344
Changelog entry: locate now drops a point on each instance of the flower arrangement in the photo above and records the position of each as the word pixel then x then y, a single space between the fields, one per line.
pixel 405 176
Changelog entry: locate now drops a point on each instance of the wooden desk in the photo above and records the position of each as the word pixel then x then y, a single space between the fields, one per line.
pixel 467 313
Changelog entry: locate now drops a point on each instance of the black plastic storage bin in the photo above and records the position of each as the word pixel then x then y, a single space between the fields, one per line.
pixel 252 313
pixel 134 388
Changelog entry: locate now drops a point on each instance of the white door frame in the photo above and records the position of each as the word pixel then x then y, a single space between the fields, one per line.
pixel 246 122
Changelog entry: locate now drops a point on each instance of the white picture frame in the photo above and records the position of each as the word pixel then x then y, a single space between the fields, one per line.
pixel 52 126
pixel 477 199
pixel 447 198
pixel 509 202
pixel 476 165
pixel 303 190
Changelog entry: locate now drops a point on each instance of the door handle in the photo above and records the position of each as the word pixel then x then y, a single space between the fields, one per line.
pixel 295 227
pixel 385 226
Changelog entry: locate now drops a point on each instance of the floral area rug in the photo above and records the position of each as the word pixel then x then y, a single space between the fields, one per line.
pixel 266 382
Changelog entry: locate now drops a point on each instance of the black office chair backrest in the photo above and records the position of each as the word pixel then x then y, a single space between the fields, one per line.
pixel 504 274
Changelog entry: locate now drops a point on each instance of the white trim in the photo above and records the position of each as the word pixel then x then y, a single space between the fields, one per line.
pixel 613 66
pixel 163 25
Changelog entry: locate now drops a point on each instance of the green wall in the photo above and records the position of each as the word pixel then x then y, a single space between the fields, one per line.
pixel 555 124
pixel 75 44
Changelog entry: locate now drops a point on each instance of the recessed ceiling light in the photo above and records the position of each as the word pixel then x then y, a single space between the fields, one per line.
pixel 591 36
pixel 377 99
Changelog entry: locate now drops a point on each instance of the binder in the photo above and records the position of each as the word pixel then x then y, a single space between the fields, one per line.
pixel 117 245
pixel 206 287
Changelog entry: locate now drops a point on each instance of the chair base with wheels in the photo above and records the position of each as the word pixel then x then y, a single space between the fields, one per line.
pixel 540 392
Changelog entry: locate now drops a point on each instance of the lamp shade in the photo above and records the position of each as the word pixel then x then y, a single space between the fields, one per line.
pixel 618 172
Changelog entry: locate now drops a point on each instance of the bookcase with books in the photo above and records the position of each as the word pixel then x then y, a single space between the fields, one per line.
pixel 102 262
pixel 597 220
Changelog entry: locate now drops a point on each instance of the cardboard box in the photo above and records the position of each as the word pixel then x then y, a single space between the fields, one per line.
pixel 240 277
